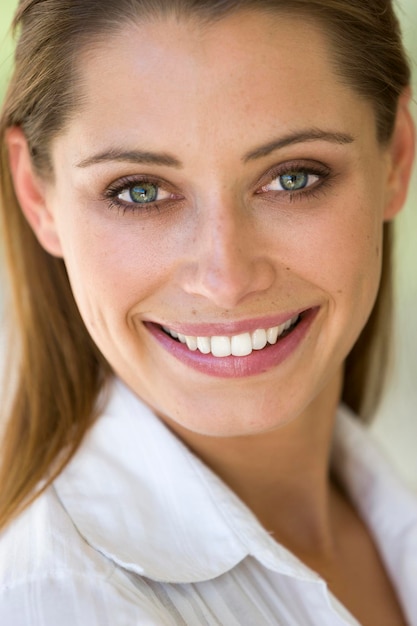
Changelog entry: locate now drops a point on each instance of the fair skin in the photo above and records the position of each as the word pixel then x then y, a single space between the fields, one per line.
pixel 228 250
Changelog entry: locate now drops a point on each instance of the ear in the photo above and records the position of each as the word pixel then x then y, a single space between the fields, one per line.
pixel 401 157
pixel 31 192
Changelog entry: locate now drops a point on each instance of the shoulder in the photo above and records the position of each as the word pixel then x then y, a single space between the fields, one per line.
pixel 49 575
pixel 43 540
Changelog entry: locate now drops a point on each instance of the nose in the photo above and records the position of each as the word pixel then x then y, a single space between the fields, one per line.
pixel 229 262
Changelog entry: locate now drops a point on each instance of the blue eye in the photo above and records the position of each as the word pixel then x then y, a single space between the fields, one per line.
pixel 293 181
pixel 140 194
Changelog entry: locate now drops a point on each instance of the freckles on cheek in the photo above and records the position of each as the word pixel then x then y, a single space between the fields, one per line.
pixel 362 263
pixel 115 266
pixel 343 253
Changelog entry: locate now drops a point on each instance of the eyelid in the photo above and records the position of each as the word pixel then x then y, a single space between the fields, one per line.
pixel 311 167
pixel 304 165
pixel 116 188
pixel 124 182
pixel 127 190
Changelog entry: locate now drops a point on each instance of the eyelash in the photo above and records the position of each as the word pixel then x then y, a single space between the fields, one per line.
pixel 320 170
pixel 315 169
pixel 123 184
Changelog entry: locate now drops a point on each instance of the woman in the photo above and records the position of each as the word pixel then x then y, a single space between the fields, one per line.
pixel 197 203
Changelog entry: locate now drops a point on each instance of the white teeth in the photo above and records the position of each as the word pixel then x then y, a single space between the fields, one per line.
pixel 203 344
pixel 241 344
pixel 191 343
pixel 259 339
pixel 220 346
pixel 170 332
pixel 237 345
pixel 272 335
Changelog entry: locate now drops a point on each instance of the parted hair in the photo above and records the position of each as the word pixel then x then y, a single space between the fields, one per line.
pixel 55 372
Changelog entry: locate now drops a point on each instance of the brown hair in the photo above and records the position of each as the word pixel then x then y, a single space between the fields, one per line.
pixel 58 371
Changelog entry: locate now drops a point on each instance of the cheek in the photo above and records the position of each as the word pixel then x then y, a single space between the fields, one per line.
pixel 348 261
pixel 351 252
pixel 338 250
pixel 113 266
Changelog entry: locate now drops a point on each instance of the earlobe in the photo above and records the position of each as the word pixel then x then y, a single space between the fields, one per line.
pixel 401 153
pixel 30 192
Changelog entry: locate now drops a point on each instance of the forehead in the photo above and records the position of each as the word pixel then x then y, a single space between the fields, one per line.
pixel 181 81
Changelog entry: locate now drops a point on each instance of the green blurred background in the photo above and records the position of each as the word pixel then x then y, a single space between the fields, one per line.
pixel 6 48
pixel 396 426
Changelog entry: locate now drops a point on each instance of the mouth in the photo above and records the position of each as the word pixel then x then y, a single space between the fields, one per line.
pixel 248 351
pixel 239 345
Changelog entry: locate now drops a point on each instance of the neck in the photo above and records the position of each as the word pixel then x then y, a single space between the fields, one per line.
pixel 283 475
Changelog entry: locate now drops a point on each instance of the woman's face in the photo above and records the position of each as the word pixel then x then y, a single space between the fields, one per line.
pixel 216 181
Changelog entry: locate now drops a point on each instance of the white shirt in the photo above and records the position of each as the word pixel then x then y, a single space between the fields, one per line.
pixel 138 531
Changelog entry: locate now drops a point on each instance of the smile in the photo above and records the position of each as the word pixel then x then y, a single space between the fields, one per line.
pixel 236 345
pixel 248 351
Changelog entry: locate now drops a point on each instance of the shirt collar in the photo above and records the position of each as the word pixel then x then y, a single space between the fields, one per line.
pixel 139 496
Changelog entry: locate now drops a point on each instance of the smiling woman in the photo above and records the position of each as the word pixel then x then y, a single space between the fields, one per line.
pixel 197 200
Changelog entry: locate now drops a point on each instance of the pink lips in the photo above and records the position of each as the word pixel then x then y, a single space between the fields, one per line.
pixel 257 362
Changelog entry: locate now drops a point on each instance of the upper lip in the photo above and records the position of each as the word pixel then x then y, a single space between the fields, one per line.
pixel 230 328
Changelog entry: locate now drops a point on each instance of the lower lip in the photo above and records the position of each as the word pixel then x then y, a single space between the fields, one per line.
pixel 258 362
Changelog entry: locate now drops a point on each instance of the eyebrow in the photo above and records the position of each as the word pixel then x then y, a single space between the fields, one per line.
pixel 304 136
pixel 132 156
pixel 165 159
